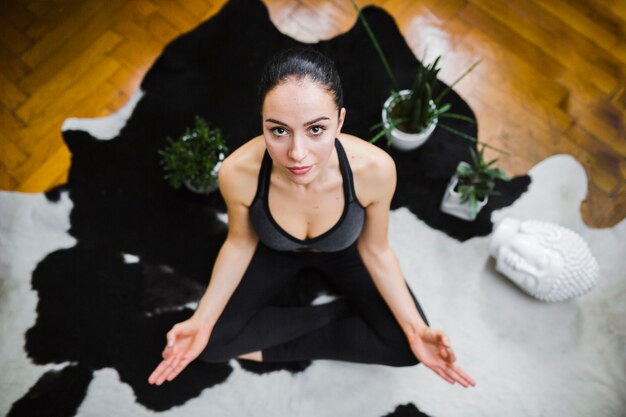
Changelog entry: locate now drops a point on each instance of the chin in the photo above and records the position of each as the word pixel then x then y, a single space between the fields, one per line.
pixel 303 179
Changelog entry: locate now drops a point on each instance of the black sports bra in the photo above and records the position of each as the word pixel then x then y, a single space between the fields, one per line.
pixel 343 234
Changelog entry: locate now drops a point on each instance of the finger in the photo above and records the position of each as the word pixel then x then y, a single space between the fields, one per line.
pixel 446 356
pixel 457 377
pixel 171 367
pixel 442 374
pixel 182 365
pixel 169 346
pixel 450 355
pixel 191 353
pixel 439 336
pixel 461 377
pixel 163 377
pixel 161 373
pixel 444 352
pixel 171 336
pixel 174 365
pixel 175 372
pixel 168 366
pixel 167 351
pixel 464 375
pixel 157 372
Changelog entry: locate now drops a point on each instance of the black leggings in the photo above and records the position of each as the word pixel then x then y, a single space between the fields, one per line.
pixel 357 326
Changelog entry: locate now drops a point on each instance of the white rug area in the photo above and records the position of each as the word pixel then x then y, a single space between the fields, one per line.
pixel 529 358
pixel 30 228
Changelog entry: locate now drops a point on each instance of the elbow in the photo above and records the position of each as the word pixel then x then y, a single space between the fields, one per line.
pixel 241 243
pixel 370 251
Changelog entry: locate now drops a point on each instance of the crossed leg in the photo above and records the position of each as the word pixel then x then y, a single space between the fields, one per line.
pixel 359 327
pixel 248 323
pixel 372 335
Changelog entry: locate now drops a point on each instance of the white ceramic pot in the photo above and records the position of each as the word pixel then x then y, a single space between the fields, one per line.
pixel 197 190
pixel 207 190
pixel 402 140
pixel 451 201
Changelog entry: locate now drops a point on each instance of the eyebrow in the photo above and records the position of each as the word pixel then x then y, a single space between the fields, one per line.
pixel 306 124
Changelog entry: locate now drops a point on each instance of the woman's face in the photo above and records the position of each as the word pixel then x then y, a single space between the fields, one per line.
pixel 300 123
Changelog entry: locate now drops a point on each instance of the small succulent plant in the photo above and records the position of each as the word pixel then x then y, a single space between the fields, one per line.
pixel 195 157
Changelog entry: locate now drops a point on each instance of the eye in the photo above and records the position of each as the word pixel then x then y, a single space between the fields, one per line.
pixel 317 130
pixel 279 131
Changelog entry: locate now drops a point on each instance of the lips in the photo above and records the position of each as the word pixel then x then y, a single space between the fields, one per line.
pixel 300 170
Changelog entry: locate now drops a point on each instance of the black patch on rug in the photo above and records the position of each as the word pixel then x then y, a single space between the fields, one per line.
pixel 57 393
pixel 54 195
pixel 407 410
pixel 96 310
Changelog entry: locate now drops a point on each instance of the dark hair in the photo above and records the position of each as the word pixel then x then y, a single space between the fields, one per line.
pixel 300 63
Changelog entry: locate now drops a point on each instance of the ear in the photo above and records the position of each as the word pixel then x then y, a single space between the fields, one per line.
pixel 342 117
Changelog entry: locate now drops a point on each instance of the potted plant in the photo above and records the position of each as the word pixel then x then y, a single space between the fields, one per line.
pixel 194 158
pixel 409 116
pixel 471 185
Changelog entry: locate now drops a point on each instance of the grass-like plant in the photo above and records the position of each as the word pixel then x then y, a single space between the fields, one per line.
pixel 476 180
pixel 194 158
pixel 416 113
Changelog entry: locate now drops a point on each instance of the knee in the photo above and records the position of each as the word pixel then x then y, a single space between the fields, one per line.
pixel 215 353
pixel 406 359
pixel 403 355
pixel 209 358
pixel 227 328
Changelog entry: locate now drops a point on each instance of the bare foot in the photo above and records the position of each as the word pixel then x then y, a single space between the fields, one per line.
pixel 253 356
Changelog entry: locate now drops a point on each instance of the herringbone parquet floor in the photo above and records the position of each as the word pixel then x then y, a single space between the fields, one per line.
pixel 552 79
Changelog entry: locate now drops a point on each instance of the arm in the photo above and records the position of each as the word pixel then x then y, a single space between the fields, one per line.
pixel 187 339
pixel 377 255
pixel 431 347
pixel 234 255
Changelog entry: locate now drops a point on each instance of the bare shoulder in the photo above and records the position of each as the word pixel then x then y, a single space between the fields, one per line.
pixel 238 175
pixel 364 156
pixel 373 169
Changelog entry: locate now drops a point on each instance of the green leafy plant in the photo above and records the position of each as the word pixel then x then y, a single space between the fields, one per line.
pixel 194 158
pixel 476 180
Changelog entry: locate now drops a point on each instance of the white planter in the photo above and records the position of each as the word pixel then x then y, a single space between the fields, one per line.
pixel 214 173
pixel 402 140
pixel 197 190
pixel 451 201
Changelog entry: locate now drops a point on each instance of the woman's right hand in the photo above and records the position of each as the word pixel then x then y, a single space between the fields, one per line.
pixel 185 341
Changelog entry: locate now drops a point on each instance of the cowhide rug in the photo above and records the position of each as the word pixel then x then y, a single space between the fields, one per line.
pixel 93 273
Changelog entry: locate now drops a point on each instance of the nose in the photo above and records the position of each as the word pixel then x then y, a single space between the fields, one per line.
pixel 298 150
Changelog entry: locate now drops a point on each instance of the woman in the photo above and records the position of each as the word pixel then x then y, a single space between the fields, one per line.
pixel 328 209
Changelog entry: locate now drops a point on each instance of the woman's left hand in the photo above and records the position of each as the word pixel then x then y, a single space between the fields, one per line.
pixel 432 348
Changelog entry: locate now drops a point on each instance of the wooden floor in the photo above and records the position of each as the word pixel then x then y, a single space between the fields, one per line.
pixel 552 79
